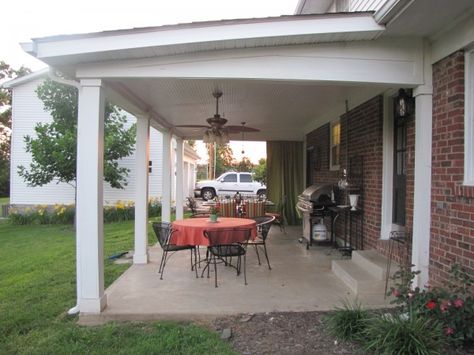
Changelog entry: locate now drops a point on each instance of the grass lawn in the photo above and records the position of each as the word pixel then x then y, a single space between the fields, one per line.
pixel 37 286
pixel 4 200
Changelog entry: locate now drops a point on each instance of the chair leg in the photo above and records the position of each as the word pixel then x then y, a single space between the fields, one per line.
pixel 192 266
pixel 245 269
pixel 196 263
pixel 215 271
pixel 266 254
pixel 163 261
pixel 258 255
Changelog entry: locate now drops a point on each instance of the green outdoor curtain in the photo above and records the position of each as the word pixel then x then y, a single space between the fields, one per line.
pixel 285 175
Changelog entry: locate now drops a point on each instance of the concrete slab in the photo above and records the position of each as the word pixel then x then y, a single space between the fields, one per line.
pixel 300 280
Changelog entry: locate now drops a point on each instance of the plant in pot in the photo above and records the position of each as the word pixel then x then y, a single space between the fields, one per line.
pixel 213 211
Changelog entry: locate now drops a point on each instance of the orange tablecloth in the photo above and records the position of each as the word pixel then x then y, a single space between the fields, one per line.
pixel 191 231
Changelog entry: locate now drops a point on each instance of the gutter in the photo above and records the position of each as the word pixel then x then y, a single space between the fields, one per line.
pixel 390 10
pixel 52 75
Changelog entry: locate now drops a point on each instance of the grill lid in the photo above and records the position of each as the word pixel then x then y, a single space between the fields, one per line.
pixel 314 192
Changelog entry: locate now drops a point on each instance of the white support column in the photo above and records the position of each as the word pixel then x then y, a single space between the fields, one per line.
pixel 179 177
pixel 166 201
pixel 141 192
pixel 89 211
pixel 422 196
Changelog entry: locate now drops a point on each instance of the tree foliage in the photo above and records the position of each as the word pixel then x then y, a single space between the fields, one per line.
pixel 6 72
pixel 222 157
pixel 244 165
pixel 260 171
pixel 54 148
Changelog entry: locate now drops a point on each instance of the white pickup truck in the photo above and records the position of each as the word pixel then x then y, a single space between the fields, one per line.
pixel 228 184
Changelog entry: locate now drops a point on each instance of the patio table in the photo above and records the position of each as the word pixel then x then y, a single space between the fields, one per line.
pixel 191 231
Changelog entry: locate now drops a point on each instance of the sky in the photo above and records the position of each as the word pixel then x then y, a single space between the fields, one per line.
pixel 27 19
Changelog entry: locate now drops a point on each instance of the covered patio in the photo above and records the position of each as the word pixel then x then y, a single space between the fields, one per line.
pixel 284 76
pixel 300 280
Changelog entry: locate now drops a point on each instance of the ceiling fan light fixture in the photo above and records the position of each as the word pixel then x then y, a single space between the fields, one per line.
pixel 215 136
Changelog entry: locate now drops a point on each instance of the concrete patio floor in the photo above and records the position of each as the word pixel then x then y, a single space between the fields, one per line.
pixel 300 280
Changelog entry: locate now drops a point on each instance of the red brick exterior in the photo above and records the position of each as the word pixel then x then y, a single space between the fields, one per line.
pixel 452 205
pixel 364 139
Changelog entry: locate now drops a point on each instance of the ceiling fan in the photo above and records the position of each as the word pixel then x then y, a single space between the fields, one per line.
pixel 216 124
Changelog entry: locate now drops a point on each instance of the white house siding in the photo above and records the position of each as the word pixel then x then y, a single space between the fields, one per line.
pixel 365 5
pixel 355 5
pixel 27 111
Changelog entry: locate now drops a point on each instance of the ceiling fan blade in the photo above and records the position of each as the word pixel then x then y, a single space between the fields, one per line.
pixel 192 126
pixel 239 129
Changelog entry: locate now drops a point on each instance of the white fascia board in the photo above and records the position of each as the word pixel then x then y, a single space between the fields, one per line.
pixel 284 27
pixel 26 78
pixel 388 61
pixel 458 37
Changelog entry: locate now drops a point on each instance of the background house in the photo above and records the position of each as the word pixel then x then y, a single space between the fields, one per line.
pixel 27 111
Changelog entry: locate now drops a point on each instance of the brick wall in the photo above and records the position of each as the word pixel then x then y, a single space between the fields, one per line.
pixel 452 205
pixel 365 127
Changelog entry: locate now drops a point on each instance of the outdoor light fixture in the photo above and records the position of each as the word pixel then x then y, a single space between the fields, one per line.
pixel 215 135
pixel 404 104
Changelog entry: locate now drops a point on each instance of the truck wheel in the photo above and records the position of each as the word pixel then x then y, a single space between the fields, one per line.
pixel 207 194
pixel 262 194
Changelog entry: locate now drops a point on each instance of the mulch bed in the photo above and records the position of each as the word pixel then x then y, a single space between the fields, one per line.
pixel 287 333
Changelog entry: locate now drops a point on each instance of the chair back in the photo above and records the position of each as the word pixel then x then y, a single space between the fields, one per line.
pixel 191 204
pixel 227 236
pixel 264 224
pixel 228 208
pixel 163 232
pixel 254 209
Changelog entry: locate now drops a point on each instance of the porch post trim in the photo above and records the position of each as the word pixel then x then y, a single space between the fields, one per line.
pixel 422 185
pixel 179 177
pixel 166 200
pixel 89 211
pixel 142 155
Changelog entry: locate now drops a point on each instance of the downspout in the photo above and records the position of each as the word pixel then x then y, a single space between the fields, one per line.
pixel 74 310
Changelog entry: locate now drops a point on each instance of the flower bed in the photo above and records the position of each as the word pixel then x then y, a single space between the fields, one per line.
pixel 65 214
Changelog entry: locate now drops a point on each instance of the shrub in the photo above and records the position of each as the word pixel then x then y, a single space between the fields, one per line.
pixel 452 306
pixel 348 322
pixel 398 334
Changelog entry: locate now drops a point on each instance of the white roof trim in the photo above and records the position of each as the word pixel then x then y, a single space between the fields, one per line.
pixel 25 79
pixel 213 32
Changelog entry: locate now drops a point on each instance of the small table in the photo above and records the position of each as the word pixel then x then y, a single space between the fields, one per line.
pixel 191 231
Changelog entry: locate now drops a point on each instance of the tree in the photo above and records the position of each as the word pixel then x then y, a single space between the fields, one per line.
pixel 223 159
pixel 260 171
pixel 6 72
pixel 244 165
pixel 54 149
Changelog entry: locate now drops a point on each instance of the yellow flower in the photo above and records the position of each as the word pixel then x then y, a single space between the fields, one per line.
pixel 120 205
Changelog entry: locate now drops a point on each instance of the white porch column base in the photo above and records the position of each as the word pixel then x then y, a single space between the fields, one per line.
pixel 93 305
pixel 179 178
pixel 140 255
pixel 166 201
pixel 89 209
pixel 422 194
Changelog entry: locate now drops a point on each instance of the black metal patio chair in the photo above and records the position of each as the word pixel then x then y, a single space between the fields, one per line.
pixel 224 244
pixel 195 211
pixel 264 224
pixel 163 232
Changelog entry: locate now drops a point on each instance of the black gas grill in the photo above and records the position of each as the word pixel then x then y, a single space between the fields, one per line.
pixel 313 204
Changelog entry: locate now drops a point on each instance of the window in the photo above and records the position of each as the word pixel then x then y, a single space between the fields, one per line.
pixel 230 178
pixel 335 152
pixel 245 178
pixel 469 119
